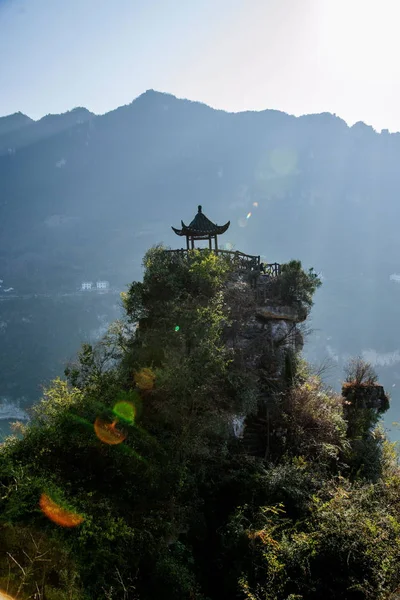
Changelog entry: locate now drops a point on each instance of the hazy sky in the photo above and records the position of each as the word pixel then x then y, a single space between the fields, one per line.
pixel 300 56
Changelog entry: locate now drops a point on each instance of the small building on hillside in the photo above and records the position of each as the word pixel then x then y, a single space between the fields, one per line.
pixel 102 285
pixel 87 285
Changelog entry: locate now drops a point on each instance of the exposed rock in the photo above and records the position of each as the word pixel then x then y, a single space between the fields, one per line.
pixel 287 313
pixel 266 332
pixel 262 333
pixel 238 423
pixel 366 396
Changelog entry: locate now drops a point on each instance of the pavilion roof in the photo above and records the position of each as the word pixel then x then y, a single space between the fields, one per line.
pixel 201 226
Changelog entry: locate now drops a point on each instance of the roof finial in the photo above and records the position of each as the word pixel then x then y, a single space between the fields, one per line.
pixel 199 208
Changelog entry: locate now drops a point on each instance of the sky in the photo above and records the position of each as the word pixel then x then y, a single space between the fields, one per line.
pixel 298 56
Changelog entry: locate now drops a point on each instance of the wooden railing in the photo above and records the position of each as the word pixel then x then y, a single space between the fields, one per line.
pixel 247 262
pixel 272 269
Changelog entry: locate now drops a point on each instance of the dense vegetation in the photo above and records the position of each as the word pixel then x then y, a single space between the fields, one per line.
pixel 128 483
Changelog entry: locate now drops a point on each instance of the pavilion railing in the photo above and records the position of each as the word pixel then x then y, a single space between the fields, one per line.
pixel 272 269
pixel 241 261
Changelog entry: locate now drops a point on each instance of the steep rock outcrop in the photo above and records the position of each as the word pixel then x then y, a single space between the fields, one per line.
pixel 262 335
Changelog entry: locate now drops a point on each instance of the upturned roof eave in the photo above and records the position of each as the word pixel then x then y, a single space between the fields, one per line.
pixel 219 230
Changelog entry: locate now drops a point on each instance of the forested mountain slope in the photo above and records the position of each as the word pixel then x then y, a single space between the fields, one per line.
pixel 82 197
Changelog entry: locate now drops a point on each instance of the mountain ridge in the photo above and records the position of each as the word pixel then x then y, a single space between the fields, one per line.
pixel 156 94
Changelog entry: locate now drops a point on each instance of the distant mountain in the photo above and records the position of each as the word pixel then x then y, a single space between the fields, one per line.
pixel 18 130
pixel 83 196
pixel 13 122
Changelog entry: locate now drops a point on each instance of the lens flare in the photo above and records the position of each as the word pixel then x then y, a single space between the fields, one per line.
pixel 283 161
pixel 248 215
pixel 4 596
pixel 242 222
pixel 255 204
pixel 125 411
pixel 177 328
pixel 57 514
pixel 107 432
pixel 144 379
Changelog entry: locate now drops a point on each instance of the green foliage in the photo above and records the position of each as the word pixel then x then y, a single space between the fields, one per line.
pixel 296 287
pixel 346 546
pixel 179 508
pixel 57 398
pixel 364 402
pixel 314 420
pixel 35 565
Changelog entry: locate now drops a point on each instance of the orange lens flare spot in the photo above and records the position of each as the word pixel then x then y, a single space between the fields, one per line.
pixel 107 432
pixel 145 379
pixel 4 596
pixel 58 515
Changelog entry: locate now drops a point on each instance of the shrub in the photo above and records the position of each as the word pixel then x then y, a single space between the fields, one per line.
pixel 296 287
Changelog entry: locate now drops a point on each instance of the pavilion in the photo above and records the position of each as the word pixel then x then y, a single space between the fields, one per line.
pixel 201 228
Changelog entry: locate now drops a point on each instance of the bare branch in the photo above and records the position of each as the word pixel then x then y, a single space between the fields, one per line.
pixel 17 563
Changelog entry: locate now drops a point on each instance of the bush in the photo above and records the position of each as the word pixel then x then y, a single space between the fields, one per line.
pixel 360 372
pixel 296 287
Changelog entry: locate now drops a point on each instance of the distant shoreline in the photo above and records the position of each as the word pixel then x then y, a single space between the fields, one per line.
pixel 60 294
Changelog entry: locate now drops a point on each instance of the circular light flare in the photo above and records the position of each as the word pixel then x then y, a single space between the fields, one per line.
pixel 57 514
pixel 248 215
pixel 144 379
pixel 125 411
pixel 242 222
pixel 107 432
pixel 283 161
pixel 177 328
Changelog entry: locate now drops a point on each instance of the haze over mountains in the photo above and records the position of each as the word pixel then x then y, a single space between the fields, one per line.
pixel 83 196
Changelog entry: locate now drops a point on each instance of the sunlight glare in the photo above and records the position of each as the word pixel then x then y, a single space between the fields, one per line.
pixel 360 36
pixel 4 596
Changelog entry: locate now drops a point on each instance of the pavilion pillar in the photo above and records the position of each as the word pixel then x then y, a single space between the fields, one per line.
pixel 216 243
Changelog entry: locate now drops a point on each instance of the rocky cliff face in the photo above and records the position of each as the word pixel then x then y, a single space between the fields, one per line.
pixel 259 328
pixel 262 335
